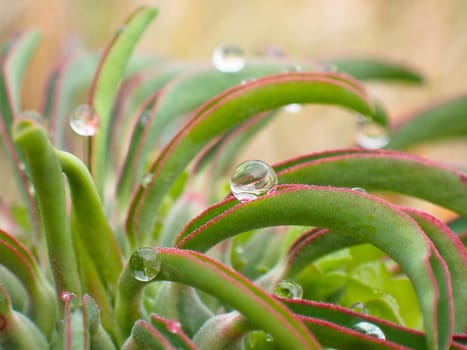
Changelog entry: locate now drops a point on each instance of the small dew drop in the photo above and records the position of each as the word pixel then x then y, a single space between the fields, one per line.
pixel 359 189
pixel 248 80
pixel 228 58
pixel 174 326
pixel 143 119
pixel 146 180
pixel 360 308
pixel 371 135
pixel 293 108
pixel 145 264
pixel 33 115
pixel 289 289
pixel 84 121
pixel 252 179
pixel 369 329
pixel 269 338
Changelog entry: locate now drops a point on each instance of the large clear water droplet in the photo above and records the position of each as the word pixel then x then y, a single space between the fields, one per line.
pixel 252 179
pixel 84 120
pixel 289 289
pixel 360 308
pixel 370 329
pixel 145 264
pixel 228 58
pixel 371 135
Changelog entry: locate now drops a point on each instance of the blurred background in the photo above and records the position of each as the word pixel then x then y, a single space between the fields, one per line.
pixel 429 35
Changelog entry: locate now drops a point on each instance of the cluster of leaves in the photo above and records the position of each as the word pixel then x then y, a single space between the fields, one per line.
pixel 98 258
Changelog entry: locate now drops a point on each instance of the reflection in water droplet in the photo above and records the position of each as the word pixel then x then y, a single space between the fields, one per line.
pixel 228 58
pixel 289 289
pixel 174 326
pixel 359 189
pixel 146 180
pixel 145 264
pixel 359 307
pixel 371 135
pixel 369 329
pixel 84 121
pixel 251 179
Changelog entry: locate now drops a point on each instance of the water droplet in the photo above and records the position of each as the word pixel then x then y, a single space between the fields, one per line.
pixel 293 108
pixel 143 118
pixel 371 135
pixel 360 308
pixel 146 180
pixel 174 326
pixel 359 189
pixel 33 115
pixel 290 68
pixel 31 189
pixel 84 121
pixel 228 58
pixel 269 338
pixel 145 264
pixel 369 329
pixel 329 67
pixel 251 179
pixel 248 80
pixel 273 52
pixel 289 289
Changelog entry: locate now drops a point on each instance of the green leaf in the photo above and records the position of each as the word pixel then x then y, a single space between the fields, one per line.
pixel 442 121
pixel 102 91
pixel 381 170
pixel 48 183
pixel 144 336
pixel 226 111
pixel 19 261
pixel 90 222
pixel 16 330
pixel 173 332
pixel 201 272
pixel 98 337
pixel 364 218
pixel 375 69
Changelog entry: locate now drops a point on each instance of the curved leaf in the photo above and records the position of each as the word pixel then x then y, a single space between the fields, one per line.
pixel 375 69
pixel 201 272
pixel 16 330
pixel 444 120
pixel 19 261
pixel 47 179
pixel 226 111
pixel 103 89
pixel 89 220
pixel 381 170
pixel 365 218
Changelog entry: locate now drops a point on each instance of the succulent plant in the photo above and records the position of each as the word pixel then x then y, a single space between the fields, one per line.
pixel 140 243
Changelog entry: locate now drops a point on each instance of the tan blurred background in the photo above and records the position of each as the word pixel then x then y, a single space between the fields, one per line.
pixel 430 35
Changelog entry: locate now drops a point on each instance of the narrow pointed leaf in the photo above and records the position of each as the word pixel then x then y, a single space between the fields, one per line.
pixel 206 274
pixel 16 330
pixel 225 112
pixel 90 221
pixel 98 337
pixel 374 69
pixel 381 170
pixel 104 86
pixel 173 332
pixel 47 179
pixel 364 217
pixel 446 120
pixel 19 261
pixel 144 336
